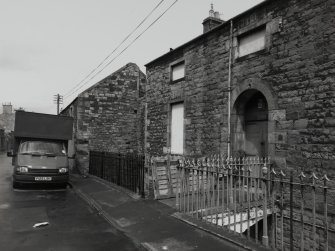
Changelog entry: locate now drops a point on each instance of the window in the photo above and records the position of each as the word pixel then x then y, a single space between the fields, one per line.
pixel 251 42
pixel 178 71
pixel 177 128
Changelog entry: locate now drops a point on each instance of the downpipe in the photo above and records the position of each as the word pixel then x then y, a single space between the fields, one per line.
pixel 229 88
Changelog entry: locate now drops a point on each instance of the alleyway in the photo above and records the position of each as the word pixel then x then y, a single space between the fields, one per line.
pixel 73 225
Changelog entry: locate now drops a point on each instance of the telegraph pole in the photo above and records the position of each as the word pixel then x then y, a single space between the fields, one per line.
pixel 58 99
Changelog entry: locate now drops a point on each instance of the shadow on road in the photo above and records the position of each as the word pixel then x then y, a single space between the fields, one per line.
pixel 41 187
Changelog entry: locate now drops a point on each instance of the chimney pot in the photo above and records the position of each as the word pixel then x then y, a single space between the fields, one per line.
pixel 212 21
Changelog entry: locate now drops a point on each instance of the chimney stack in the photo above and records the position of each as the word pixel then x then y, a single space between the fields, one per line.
pixel 212 21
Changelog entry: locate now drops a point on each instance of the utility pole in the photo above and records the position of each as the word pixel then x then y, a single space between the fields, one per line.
pixel 58 99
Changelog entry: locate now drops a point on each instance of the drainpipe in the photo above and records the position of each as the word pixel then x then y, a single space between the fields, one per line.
pixel 147 162
pixel 229 86
pixel 145 151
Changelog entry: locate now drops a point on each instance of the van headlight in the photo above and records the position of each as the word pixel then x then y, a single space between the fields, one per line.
pixel 22 169
pixel 63 170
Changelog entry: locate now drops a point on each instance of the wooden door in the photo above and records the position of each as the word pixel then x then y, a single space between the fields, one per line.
pixel 256 142
pixel 256 138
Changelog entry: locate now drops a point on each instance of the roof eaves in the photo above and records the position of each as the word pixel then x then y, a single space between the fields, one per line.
pixel 221 26
pixel 112 74
pixel 67 107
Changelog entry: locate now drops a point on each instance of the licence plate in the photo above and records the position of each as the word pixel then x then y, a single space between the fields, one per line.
pixel 43 178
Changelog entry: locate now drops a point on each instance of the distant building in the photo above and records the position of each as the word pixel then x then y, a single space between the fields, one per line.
pixel 7 119
pixel 109 116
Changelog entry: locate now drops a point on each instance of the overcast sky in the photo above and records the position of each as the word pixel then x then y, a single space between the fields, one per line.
pixel 50 46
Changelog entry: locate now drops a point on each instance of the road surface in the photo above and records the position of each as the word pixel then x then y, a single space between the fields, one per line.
pixel 72 224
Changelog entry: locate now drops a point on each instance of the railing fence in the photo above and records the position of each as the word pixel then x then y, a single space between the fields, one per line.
pixel 247 196
pixel 125 170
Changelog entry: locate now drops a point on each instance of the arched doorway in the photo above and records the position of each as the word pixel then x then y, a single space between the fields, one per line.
pixel 250 125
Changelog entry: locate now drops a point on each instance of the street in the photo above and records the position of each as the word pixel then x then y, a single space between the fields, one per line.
pixel 71 223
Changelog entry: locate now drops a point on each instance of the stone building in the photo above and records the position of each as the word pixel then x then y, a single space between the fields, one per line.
pixel 109 116
pixel 260 84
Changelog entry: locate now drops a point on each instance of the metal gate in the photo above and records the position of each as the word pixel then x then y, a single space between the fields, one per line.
pixel 125 170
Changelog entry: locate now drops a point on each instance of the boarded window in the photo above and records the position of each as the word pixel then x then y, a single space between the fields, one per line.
pixel 177 128
pixel 178 71
pixel 251 42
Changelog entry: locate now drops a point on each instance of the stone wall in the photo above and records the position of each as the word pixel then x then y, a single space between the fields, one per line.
pixel 109 115
pixel 298 66
pixel 205 106
pixel 295 73
pixel 80 157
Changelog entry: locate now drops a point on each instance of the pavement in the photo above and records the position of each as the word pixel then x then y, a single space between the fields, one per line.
pixel 152 224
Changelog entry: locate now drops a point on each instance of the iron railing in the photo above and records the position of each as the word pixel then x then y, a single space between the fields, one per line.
pixel 125 170
pixel 280 209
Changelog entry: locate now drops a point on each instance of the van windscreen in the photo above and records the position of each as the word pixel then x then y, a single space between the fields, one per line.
pixel 42 148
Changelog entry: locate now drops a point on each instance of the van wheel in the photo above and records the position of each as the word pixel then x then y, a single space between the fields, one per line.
pixel 16 185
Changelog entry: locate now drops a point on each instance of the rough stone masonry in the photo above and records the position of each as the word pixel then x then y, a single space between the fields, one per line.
pixel 293 74
pixel 109 117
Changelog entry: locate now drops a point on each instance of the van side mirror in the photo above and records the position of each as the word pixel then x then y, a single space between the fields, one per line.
pixel 10 154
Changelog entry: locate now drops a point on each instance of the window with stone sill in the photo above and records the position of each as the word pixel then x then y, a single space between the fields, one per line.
pixel 251 42
pixel 178 71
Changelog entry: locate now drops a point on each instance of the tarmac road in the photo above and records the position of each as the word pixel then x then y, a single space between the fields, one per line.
pixel 72 224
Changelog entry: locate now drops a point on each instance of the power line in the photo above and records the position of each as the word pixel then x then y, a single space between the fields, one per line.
pixel 123 49
pixel 117 47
